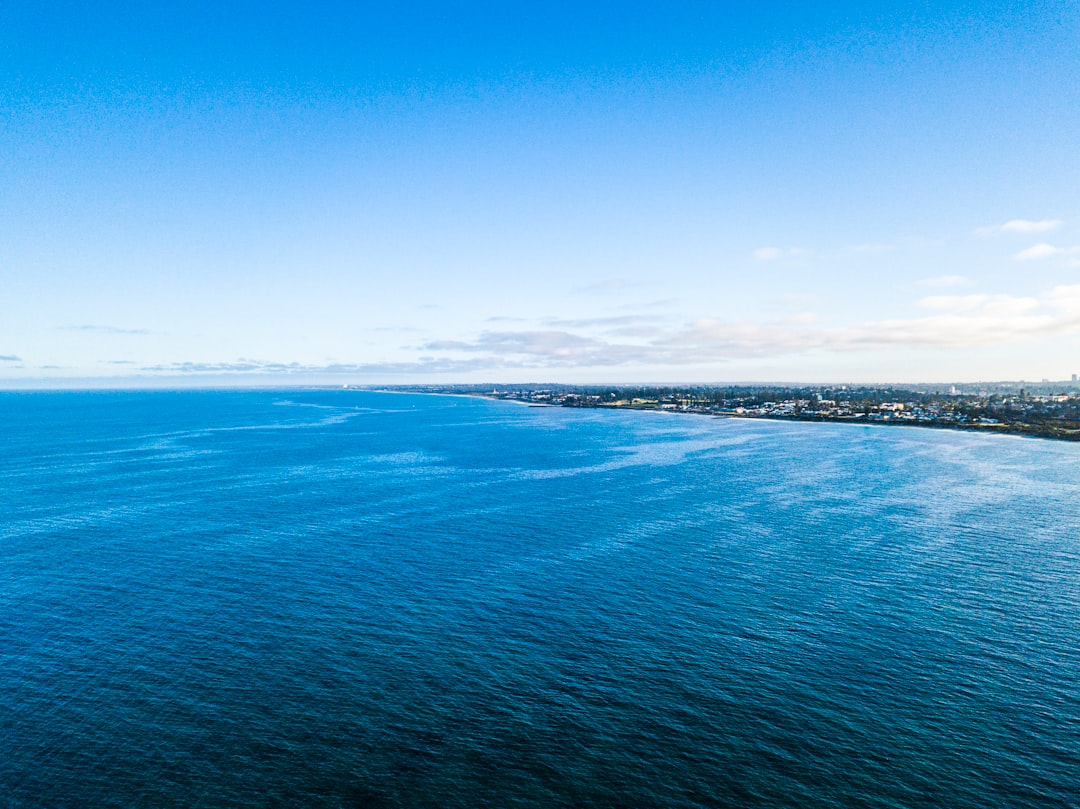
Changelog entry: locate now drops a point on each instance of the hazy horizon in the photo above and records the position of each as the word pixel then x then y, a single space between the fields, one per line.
pixel 279 382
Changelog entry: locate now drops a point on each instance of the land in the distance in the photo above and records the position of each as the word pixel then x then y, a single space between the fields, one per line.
pixel 1045 410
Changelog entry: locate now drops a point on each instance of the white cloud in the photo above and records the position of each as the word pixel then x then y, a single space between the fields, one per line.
pixel 955 303
pixel 957 321
pixel 778 253
pixel 944 281
pixel 1037 251
pixel 1023 226
pixel 952 322
pixel 997 305
pixel 1065 297
pixel 1044 250
pixel 1031 226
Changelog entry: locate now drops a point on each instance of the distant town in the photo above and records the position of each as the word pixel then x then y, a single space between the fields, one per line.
pixel 1042 409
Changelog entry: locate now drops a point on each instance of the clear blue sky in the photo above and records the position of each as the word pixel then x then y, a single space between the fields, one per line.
pixel 402 192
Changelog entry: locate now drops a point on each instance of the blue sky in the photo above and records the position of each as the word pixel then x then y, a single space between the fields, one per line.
pixel 407 192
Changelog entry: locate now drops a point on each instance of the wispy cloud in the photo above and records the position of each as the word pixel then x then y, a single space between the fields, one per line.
pixel 662 303
pixel 778 253
pixel 89 327
pixel 556 344
pixel 802 318
pixel 868 249
pixel 1043 250
pixel 957 321
pixel 423 365
pixel 9 358
pixel 944 281
pixel 995 305
pixel 603 322
pixel 950 322
pixel 1021 226
pixel 607 285
pixel 798 299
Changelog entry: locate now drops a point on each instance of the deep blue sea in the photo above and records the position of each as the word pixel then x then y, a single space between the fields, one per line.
pixel 351 599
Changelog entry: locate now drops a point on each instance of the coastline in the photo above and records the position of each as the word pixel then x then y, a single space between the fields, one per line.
pixel 1017 430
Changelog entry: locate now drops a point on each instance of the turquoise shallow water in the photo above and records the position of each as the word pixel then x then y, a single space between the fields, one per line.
pixel 357 599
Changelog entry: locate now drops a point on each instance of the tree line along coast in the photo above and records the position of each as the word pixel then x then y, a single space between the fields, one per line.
pixel 1045 410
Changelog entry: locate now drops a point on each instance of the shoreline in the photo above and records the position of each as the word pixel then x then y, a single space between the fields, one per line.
pixel 1015 430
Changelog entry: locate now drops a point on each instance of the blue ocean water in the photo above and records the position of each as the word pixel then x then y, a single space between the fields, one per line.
pixel 314 598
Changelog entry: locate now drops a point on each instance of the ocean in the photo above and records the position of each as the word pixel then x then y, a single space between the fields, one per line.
pixel 356 599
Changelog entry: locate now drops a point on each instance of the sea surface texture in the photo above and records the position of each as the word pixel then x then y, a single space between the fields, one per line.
pixel 347 599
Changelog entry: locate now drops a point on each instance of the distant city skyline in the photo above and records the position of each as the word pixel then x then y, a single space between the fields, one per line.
pixel 413 192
